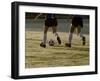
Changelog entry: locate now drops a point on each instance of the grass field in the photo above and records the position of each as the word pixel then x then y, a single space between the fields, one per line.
pixel 54 56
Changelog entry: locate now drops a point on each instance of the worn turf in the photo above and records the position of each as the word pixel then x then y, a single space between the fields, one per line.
pixel 54 56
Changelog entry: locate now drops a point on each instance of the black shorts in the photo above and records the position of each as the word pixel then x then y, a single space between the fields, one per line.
pixel 50 22
pixel 77 21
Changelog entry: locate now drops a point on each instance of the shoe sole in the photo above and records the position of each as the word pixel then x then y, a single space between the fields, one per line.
pixel 67 45
pixel 44 46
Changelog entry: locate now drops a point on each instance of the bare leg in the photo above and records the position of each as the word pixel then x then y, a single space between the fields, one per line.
pixel 45 34
pixel 43 44
pixel 72 28
pixel 71 34
pixel 55 31
pixel 56 34
pixel 79 31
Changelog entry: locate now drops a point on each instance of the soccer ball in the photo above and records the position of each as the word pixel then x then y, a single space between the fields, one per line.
pixel 51 42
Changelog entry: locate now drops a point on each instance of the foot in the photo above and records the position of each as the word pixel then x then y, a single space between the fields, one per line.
pixel 43 45
pixel 67 45
pixel 58 39
pixel 83 40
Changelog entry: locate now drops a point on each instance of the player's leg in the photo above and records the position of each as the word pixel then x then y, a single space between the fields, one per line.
pixel 43 44
pixel 54 28
pixel 79 31
pixel 72 28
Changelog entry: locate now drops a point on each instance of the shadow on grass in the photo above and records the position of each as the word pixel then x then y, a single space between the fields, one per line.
pixel 79 48
pixel 31 39
pixel 76 48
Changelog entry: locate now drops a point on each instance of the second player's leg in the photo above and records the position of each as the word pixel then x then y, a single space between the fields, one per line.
pixel 72 28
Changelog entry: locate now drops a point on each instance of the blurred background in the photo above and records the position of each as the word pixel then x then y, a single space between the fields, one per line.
pixel 64 22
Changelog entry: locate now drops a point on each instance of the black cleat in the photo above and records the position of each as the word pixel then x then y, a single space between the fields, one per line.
pixel 58 39
pixel 43 45
pixel 83 40
pixel 67 45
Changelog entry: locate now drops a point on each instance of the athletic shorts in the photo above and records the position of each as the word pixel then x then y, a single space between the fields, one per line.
pixel 77 21
pixel 50 22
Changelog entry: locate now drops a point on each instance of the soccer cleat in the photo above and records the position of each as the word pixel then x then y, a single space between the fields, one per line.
pixel 58 39
pixel 83 40
pixel 43 45
pixel 67 45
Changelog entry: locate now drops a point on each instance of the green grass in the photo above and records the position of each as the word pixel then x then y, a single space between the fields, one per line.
pixel 54 56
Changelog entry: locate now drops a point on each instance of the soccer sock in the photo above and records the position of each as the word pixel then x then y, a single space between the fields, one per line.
pixel 45 38
pixel 81 35
pixel 70 38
